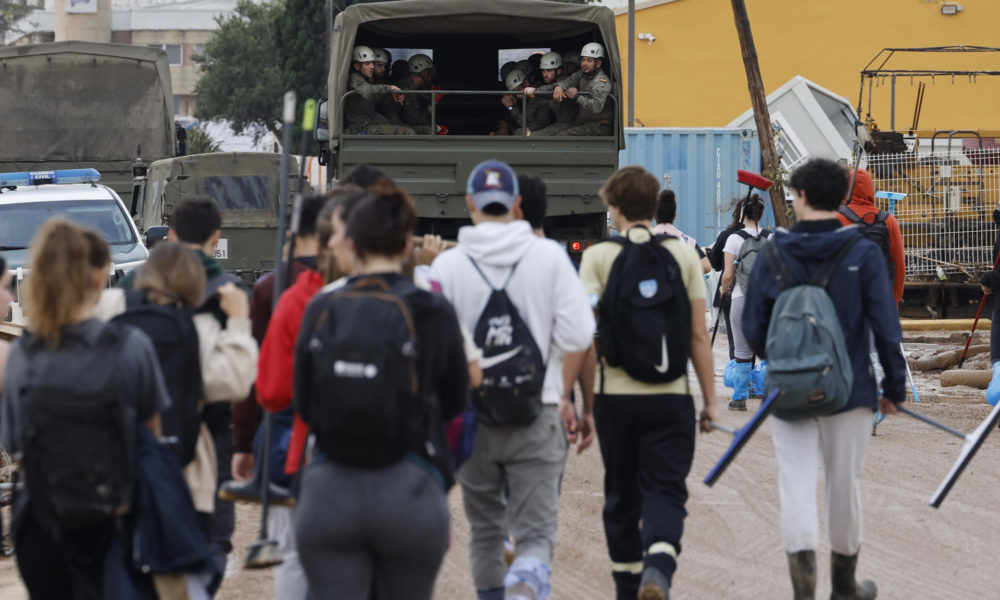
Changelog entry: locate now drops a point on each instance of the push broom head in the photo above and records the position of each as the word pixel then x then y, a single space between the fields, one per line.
pixel 754 180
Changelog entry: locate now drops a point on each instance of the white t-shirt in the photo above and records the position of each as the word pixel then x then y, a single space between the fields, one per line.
pixel 733 244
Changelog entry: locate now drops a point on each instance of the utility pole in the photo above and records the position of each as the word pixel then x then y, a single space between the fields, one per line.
pixel 761 115
pixel 631 63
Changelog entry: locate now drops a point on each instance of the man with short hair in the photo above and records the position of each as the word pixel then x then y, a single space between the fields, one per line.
pixel 359 108
pixel 596 115
pixel 860 291
pixel 646 430
pixel 537 307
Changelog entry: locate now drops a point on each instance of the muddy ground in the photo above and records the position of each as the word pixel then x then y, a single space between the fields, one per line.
pixel 732 543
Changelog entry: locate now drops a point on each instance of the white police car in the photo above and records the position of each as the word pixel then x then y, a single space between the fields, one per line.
pixel 28 199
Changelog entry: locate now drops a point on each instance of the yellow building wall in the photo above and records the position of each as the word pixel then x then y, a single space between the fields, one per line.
pixel 693 74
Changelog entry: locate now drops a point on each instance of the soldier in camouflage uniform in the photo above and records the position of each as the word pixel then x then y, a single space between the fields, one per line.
pixel 552 71
pixel 571 62
pixel 359 108
pixel 416 112
pixel 539 115
pixel 382 61
pixel 596 113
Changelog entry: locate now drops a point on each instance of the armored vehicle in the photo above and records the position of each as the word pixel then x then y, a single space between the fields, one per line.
pixel 245 185
pixel 468 40
pixel 72 105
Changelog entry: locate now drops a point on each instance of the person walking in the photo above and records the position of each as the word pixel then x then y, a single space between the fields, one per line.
pixel 373 506
pixel 666 214
pixel 741 250
pixel 646 425
pixel 75 389
pixel 519 314
pixel 860 291
pixel 717 258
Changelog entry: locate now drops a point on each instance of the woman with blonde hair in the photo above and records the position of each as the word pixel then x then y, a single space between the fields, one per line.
pixel 73 391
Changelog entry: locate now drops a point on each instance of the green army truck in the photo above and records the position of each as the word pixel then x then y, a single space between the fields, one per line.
pixel 73 105
pixel 245 185
pixel 468 40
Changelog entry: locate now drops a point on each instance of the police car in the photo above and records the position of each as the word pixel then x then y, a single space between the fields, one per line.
pixel 28 199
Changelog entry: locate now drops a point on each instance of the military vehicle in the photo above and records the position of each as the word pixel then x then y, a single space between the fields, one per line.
pixel 245 185
pixel 73 105
pixel 466 39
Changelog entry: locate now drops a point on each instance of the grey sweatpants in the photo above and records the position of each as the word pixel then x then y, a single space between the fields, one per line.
pixel 511 484
pixel 356 526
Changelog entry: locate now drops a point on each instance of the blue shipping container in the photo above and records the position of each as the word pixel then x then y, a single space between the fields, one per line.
pixel 700 166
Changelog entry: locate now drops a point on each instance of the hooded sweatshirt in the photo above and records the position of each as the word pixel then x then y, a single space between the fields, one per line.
pixel 863 204
pixel 860 291
pixel 544 288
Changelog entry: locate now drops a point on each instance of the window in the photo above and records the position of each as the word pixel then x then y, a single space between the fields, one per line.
pixel 174 54
pixel 249 192
pixel 19 222
pixel 507 55
pixel 177 105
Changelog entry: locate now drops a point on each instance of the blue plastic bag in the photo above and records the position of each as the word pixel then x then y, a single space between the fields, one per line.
pixel 993 391
pixel 729 374
pixel 757 377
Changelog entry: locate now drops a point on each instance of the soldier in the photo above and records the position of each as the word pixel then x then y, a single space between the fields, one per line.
pixel 552 67
pixel 382 61
pixel 571 62
pixel 416 112
pixel 539 115
pixel 359 109
pixel 596 114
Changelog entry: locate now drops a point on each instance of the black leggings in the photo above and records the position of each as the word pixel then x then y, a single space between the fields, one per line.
pixel 73 570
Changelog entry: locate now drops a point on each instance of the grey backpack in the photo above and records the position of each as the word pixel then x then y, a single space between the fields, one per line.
pixel 748 255
pixel 806 354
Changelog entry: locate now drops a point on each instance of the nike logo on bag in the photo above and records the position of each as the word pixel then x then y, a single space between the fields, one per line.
pixel 664 362
pixel 492 361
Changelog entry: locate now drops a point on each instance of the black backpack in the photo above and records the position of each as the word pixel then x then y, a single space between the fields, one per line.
pixel 79 440
pixel 365 406
pixel 644 316
pixel 513 368
pixel 172 331
pixel 877 230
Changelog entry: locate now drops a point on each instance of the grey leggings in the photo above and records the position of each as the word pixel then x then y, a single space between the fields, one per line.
pixel 357 526
pixel 741 347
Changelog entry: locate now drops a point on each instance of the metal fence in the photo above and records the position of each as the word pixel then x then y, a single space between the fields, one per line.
pixel 947 215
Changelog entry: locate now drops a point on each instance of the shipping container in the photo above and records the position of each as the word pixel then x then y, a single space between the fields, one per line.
pixel 700 166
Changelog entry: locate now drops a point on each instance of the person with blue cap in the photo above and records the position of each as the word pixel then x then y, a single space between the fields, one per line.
pixel 522 300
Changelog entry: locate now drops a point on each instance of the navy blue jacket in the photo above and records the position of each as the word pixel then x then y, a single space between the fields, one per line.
pixel 861 290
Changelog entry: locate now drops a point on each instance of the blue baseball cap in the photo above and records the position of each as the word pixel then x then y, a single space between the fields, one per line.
pixel 491 182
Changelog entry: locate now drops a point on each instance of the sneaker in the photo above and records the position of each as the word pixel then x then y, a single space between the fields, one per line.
pixel 654 585
pixel 738 405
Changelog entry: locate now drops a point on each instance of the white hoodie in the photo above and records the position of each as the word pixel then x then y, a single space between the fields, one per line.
pixel 544 288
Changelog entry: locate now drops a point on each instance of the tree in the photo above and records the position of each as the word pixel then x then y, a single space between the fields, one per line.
pixel 199 142
pixel 240 79
pixel 11 11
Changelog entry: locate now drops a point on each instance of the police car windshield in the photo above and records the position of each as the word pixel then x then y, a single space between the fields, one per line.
pixel 19 222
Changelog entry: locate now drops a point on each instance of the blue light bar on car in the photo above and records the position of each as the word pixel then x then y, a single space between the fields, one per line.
pixel 890 195
pixel 40 177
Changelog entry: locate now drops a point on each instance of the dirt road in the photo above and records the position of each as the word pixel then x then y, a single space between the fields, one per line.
pixel 732 543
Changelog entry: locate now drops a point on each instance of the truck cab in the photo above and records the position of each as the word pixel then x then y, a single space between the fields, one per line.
pixel 468 41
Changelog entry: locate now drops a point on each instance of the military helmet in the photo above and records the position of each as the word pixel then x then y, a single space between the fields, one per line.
pixel 593 50
pixel 525 65
pixel 571 56
pixel 382 56
pixel 550 60
pixel 515 78
pixel 363 54
pixel 505 69
pixel 420 63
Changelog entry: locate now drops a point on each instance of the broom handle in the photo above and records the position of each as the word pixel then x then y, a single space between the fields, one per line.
pixel 979 312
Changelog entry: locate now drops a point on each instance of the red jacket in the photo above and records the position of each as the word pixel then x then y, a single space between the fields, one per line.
pixel 276 364
pixel 863 203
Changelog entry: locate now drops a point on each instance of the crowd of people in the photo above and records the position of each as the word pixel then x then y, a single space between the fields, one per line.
pixel 566 94
pixel 396 366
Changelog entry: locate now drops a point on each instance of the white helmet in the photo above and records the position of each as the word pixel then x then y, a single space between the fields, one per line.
pixel 550 60
pixel 571 56
pixel 593 50
pixel 420 63
pixel 382 56
pixel 515 78
pixel 363 54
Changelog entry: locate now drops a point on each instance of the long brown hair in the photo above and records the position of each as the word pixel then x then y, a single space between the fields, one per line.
pixel 64 256
pixel 172 275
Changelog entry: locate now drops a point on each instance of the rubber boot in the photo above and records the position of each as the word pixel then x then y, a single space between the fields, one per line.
pixel 845 586
pixel 802 568
pixel 741 385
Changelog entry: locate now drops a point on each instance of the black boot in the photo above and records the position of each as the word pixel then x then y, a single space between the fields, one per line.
pixel 845 586
pixel 802 567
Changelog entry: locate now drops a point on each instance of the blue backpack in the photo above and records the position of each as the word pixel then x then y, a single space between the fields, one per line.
pixel 806 353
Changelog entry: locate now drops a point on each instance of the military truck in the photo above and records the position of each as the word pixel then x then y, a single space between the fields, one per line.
pixel 245 185
pixel 73 105
pixel 466 39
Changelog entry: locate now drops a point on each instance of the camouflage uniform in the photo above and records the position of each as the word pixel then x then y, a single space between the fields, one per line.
pixel 596 114
pixel 416 110
pixel 539 115
pixel 359 111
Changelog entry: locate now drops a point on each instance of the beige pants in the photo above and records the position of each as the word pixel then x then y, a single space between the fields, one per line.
pixel 838 442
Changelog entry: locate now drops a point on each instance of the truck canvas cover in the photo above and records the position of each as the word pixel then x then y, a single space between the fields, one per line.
pixel 529 22
pixel 81 101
